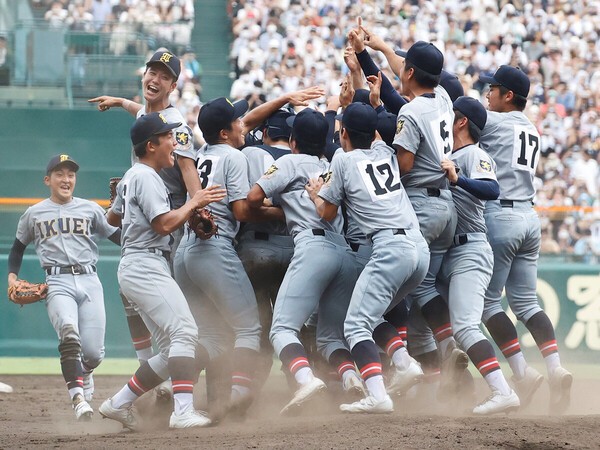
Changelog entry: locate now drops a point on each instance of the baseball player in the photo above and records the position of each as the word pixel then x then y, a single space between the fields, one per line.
pixel 514 232
pixel 266 249
pixel 64 230
pixel 210 272
pixel 321 273
pixel 158 82
pixel 423 137
pixel 366 180
pixel 143 210
pixel 467 266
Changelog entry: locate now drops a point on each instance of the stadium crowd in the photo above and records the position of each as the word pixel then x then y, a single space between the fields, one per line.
pixel 283 45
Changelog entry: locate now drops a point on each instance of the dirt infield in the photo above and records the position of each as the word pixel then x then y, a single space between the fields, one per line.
pixel 38 414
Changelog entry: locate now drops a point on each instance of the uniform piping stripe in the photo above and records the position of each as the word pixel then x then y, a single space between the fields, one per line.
pixel 394 344
pixel 344 367
pixel 297 364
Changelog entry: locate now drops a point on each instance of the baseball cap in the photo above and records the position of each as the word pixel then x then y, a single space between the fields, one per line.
pixel 386 126
pixel 309 127
pixel 451 84
pixel 512 78
pixel 472 110
pixel 359 117
pixel 425 56
pixel 217 114
pixel 61 160
pixel 169 60
pixel 150 125
pixel 361 96
pixel 277 126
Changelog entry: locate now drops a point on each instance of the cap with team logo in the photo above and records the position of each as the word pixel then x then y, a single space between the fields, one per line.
pixel 219 113
pixel 512 78
pixel 169 60
pixel 472 109
pixel 150 125
pixel 425 56
pixel 61 160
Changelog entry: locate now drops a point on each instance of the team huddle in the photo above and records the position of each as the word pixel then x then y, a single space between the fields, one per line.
pixel 370 241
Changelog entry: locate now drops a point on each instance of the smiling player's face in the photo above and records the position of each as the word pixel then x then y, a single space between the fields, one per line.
pixel 62 184
pixel 157 83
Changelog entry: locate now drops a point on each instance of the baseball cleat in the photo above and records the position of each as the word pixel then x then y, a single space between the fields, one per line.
pixel 126 415
pixel 5 388
pixel 164 391
pixel 303 394
pixel 453 368
pixel 526 386
pixel 83 410
pixel 239 404
pixel 369 405
pixel 403 380
pixel 560 382
pixel 498 403
pixel 88 386
pixel 189 419
pixel 353 387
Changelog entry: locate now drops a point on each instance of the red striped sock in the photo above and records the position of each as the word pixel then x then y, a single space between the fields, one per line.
pixel 345 367
pixel 182 386
pixel 510 348
pixel 487 366
pixel 77 383
pixel 394 344
pixel 548 348
pixel 298 363
pixel 370 370
pixel 402 332
pixel 241 379
pixel 442 332
pixel 141 343
pixel 136 387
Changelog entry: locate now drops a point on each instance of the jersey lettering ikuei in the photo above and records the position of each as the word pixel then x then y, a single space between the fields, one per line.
pixel 63 225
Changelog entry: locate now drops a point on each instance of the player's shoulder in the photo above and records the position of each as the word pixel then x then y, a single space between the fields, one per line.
pixel 253 151
pixel 172 114
pixel 39 206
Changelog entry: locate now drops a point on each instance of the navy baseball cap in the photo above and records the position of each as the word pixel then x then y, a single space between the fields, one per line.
pixel 218 114
pixel 361 96
pixel 168 59
pixel 61 160
pixel 452 85
pixel 472 109
pixel 512 78
pixel 386 126
pixel 359 117
pixel 309 127
pixel 150 125
pixel 277 125
pixel 425 56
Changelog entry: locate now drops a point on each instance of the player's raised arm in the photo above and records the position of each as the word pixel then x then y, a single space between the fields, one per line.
pixel 105 102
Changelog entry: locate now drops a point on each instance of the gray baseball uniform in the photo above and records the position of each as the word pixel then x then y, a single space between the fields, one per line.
pixel 513 225
pixel 65 241
pixel 467 266
pixel 368 183
pixel 210 272
pixel 321 273
pixel 144 274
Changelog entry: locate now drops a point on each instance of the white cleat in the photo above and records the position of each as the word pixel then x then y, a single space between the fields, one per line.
pixel 452 373
pixel 403 380
pixel 353 387
pixel 88 386
pixel 189 419
pixel 498 403
pixel 560 382
pixel 164 391
pixel 126 415
pixel 526 386
pixel 83 410
pixel 5 388
pixel 369 405
pixel 306 392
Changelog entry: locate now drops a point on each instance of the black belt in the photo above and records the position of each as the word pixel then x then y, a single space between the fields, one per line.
pixel 261 236
pixel 394 231
pixel 318 232
pixel 433 192
pixel 462 239
pixel 506 203
pixel 73 270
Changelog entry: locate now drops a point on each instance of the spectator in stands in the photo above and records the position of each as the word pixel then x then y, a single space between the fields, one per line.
pixel 5 62
pixel 56 16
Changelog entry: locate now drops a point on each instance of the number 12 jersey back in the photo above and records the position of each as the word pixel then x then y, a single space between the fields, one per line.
pixel 514 143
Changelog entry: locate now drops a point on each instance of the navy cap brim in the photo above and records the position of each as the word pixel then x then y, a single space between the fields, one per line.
pixel 290 121
pixel 401 53
pixel 339 116
pixel 149 63
pixel 240 108
pixel 488 80
pixel 168 127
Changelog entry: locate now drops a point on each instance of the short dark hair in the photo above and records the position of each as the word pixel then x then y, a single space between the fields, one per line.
pixel 518 100
pixel 474 130
pixel 307 148
pixel 140 149
pixel 213 139
pixel 359 139
pixel 421 77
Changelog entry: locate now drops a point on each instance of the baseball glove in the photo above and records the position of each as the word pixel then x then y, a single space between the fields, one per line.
pixel 202 222
pixel 112 188
pixel 24 292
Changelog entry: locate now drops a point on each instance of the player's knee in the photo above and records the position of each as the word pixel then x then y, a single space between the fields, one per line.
pixel 69 346
pixel 490 311
pixel 524 314
pixel 93 357
pixel 185 336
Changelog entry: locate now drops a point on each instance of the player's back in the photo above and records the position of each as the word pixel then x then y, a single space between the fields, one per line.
pixel 514 143
pixel 425 129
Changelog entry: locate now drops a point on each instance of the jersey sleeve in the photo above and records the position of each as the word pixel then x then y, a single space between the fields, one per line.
pixel 408 135
pixel 333 188
pixel 258 162
pixel 480 166
pixel 277 177
pixel 185 142
pixel 491 125
pixel 101 226
pixel 152 196
pixel 236 177
pixel 25 232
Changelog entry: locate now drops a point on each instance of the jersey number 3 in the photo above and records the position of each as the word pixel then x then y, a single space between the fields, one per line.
pixel 206 170
pixel 381 178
